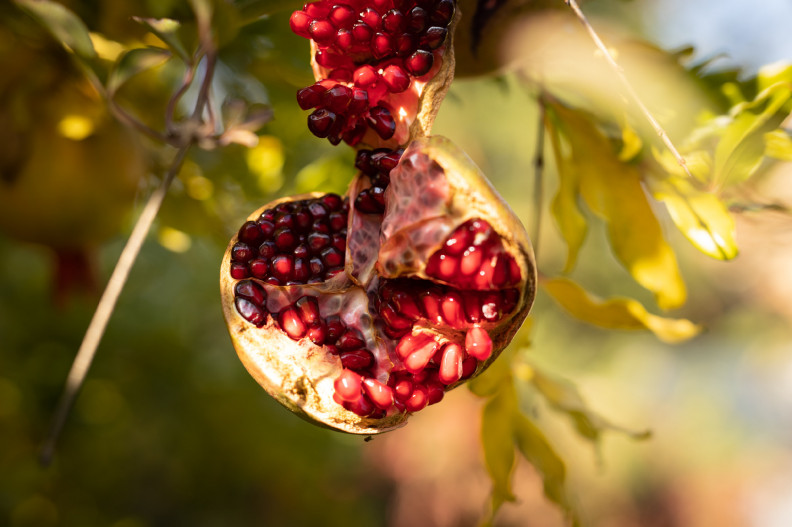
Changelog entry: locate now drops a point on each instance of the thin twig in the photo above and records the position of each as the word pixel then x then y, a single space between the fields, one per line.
pixel 93 335
pixel 538 177
pixel 627 86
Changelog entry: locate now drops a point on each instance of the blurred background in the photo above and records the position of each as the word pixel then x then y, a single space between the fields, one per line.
pixel 170 429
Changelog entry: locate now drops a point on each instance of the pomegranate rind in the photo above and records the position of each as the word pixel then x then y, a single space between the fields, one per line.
pixel 297 374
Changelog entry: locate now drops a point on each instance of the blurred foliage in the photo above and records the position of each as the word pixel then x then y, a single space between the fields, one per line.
pixel 169 428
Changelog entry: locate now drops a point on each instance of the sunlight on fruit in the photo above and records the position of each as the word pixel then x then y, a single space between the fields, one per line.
pixel 76 127
pixel 174 240
pixel 265 161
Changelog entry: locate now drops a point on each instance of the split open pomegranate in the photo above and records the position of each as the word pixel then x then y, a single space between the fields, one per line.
pixel 356 311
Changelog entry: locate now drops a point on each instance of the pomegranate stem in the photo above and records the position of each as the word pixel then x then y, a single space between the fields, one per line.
pixel 628 87
pixel 96 328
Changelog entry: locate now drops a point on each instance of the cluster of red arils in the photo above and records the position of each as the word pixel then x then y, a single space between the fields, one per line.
pixel 373 57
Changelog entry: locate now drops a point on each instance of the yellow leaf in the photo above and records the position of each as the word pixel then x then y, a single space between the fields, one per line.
pixel 617 313
pixel 564 207
pixel 613 191
pixel 779 145
pixel 631 143
pixel 497 438
pixel 700 216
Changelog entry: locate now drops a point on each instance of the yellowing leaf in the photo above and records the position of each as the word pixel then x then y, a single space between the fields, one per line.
pixel 564 207
pixel 565 397
pixel 631 143
pixel 700 216
pixel 613 191
pixel 533 445
pixel 498 441
pixel 617 313
pixel 778 145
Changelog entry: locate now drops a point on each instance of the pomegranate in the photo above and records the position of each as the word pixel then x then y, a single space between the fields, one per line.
pixel 355 312
pixel 381 67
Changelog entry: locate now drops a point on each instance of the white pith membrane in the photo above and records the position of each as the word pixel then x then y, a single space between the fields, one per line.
pixel 434 190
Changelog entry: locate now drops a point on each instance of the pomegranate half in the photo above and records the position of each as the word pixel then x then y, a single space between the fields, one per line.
pixel 355 318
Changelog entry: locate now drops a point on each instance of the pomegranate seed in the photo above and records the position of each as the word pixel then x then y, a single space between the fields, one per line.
pixel 515 275
pixel 470 262
pixel 418 399
pixel 410 343
pixel 301 251
pixel 320 122
pixel 267 249
pixel 406 306
pixel 451 364
pixel 266 227
pixel 333 202
pixel 430 300
pixel 365 202
pixel 239 271
pixel 418 359
pixel 510 299
pixel 404 45
pixel 282 266
pixel 362 407
pixel 380 395
pixel 299 23
pixel 304 220
pixel 365 76
pixel 434 37
pixel 311 96
pixel 402 390
pixel 382 5
pixel 335 327
pixel 359 102
pixel 362 32
pixel 478 343
pixel 250 290
pixel 417 20
pixel 490 307
pixel 348 385
pixel 382 45
pixel 371 18
pixel 443 12
pixel 322 31
pixel 419 63
pixel 396 79
pixel 259 268
pixel 381 120
pixel 342 16
pixel 469 366
pixel 289 321
pixel 250 311
pixel 385 160
pixel 356 359
pixel 317 241
pixel 484 279
pixel 459 240
pixel 241 252
pixel 329 59
pixel 285 239
pixel 500 272
pixel 332 257
pixel 317 333
pixel 393 21
pixel 452 310
pixel 249 233
pixel 434 393
pixel 393 319
pixel 351 339
pixel 337 98
pixel 317 9
pixel 308 309
pixel 344 41
pixel 472 304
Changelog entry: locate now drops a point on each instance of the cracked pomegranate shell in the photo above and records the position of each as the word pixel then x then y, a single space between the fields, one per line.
pixel 355 319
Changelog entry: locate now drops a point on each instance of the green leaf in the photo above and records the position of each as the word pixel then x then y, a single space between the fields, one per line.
pixel 700 216
pixel 564 397
pixel 617 313
pixel 565 208
pixel 497 439
pixel 533 445
pixel 64 25
pixel 741 148
pixel 613 191
pixel 133 62
pixel 167 30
